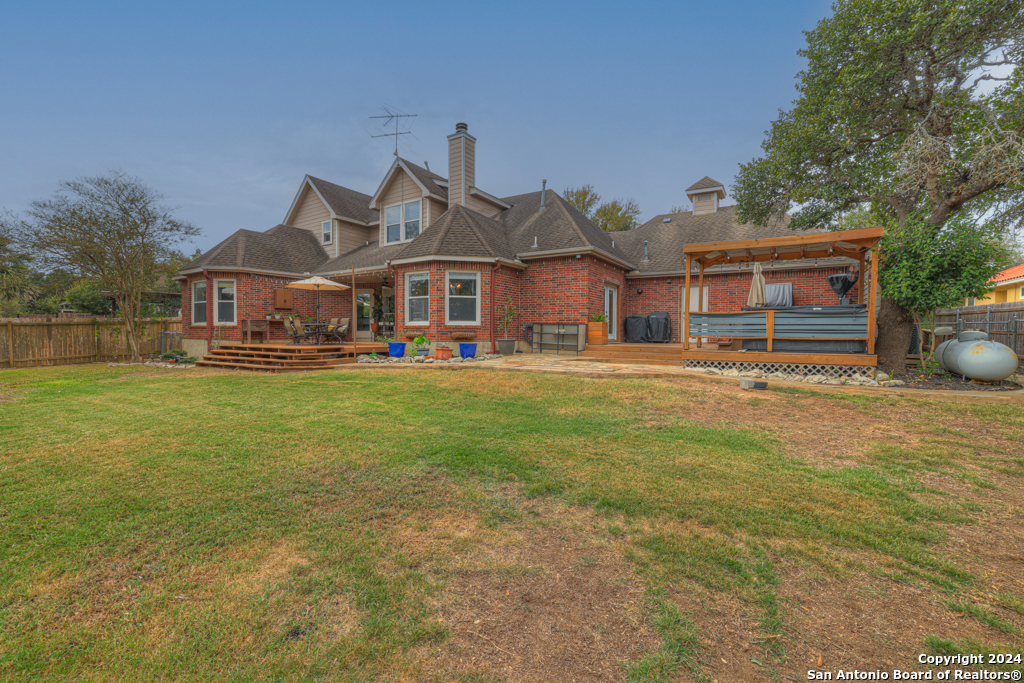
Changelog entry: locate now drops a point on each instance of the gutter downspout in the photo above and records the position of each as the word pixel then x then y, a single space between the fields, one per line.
pixel 494 344
pixel 209 311
pixel 394 298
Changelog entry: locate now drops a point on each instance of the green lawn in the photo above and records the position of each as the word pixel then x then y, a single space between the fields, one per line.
pixel 230 526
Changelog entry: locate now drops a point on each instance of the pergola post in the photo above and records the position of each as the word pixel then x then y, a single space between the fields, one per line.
pixel 863 276
pixel 700 293
pixel 352 323
pixel 872 296
pixel 686 307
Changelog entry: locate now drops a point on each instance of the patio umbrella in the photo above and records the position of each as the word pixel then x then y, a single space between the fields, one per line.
pixel 757 296
pixel 316 282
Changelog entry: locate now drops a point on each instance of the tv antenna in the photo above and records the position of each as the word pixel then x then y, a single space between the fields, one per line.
pixel 392 117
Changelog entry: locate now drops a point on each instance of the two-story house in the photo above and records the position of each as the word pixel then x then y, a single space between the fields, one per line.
pixel 442 253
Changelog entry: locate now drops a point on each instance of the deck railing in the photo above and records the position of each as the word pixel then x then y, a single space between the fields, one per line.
pixel 820 325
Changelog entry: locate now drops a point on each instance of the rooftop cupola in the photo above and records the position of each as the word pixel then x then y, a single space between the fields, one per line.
pixel 705 195
pixel 461 164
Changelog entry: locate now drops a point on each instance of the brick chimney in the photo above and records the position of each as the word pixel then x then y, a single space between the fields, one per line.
pixel 705 195
pixel 461 164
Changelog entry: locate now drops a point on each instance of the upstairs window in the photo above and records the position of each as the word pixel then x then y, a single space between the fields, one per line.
pixel 327 232
pixel 199 302
pixel 402 222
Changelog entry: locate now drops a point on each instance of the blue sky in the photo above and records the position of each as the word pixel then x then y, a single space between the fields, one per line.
pixel 223 107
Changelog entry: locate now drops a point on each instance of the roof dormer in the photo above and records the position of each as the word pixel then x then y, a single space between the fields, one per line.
pixel 705 195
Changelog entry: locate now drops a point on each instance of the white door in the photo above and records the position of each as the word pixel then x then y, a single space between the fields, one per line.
pixel 694 289
pixel 611 311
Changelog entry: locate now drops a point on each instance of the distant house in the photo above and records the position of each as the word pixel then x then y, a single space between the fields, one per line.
pixel 1007 287
pixel 441 253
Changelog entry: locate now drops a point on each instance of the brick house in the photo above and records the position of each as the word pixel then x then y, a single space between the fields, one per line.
pixel 442 254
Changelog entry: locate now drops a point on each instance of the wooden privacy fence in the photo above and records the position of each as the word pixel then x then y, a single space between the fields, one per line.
pixel 66 342
pixel 1004 323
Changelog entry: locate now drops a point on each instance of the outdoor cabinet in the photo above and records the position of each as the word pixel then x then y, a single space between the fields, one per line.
pixel 283 298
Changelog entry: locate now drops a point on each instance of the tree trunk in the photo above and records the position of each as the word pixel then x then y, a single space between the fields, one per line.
pixel 895 328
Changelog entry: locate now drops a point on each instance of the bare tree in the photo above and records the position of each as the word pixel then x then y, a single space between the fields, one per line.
pixel 113 228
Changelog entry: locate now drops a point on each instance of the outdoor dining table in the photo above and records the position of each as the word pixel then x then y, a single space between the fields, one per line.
pixel 318 331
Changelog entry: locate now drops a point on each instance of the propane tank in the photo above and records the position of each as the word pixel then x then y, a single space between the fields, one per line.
pixel 973 355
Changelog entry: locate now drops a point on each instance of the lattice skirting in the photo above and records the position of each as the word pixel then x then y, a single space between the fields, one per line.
pixel 805 369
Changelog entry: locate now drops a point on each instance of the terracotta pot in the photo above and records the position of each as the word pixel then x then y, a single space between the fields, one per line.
pixel 443 353
pixel 373 325
pixel 597 333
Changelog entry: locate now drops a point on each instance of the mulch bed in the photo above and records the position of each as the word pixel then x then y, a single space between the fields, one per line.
pixel 944 381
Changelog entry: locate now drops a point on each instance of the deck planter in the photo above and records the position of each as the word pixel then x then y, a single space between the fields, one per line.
pixel 443 353
pixel 506 347
pixel 467 350
pixel 396 349
pixel 597 333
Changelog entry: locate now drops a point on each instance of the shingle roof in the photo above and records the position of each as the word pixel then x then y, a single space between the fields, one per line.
pixel 461 231
pixel 367 256
pixel 345 202
pixel 282 249
pixel 559 226
pixel 704 183
pixel 427 178
pixel 1011 273
pixel 665 241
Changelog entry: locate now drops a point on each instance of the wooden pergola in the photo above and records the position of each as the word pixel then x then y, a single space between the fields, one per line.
pixel 854 244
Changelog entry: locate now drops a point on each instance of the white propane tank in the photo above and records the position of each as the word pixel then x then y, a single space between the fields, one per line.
pixel 973 355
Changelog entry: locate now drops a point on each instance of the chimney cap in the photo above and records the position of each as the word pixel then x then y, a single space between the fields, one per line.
pixel 460 127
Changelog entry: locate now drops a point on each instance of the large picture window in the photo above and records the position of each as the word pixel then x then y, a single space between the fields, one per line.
pixel 225 301
pixel 199 302
pixel 463 300
pixel 402 222
pixel 417 299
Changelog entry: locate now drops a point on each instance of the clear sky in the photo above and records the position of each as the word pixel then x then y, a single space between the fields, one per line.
pixel 224 106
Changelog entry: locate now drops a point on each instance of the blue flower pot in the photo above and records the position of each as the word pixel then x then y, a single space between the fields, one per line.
pixel 396 349
pixel 467 350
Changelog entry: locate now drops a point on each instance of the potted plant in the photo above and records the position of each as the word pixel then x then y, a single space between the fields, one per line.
pixel 422 345
pixel 396 349
pixel 506 316
pixel 443 352
pixel 597 329
pixel 466 350
pixel 378 309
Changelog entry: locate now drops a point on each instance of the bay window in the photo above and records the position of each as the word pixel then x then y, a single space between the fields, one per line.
pixel 417 299
pixel 199 302
pixel 463 298
pixel 402 222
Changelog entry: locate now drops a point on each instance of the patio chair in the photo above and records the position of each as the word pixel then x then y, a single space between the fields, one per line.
pixel 290 330
pixel 301 333
pixel 336 329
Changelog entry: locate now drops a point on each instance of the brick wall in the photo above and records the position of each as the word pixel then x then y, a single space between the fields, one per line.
pixel 254 299
pixel 567 289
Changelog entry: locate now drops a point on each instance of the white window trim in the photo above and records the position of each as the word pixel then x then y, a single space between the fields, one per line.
pixel 447 289
pixel 418 323
pixel 329 225
pixel 401 222
pixel 192 303
pixel 234 284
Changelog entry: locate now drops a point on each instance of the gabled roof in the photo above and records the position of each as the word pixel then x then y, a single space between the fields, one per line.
pixel 665 241
pixel 704 183
pixel 345 203
pixel 340 201
pixel 463 232
pixel 1011 273
pixel 281 249
pixel 421 176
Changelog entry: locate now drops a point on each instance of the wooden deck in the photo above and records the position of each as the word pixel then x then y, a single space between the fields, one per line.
pixel 674 354
pixel 277 358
